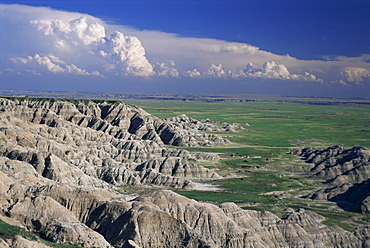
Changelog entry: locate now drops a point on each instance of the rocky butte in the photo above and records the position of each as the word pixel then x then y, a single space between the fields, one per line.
pixel 345 175
pixel 61 164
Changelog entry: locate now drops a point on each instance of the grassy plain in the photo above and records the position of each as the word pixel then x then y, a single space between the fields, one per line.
pixel 9 232
pixel 276 126
pixel 262 181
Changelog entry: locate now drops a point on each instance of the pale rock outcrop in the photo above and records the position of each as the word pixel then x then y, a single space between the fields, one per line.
pixel 117 119
pixel 99 144
pixel 30 202
pixel 206 225
pixel 4 244
pixel 363 233
pixel 60 164
pixel 345 174
pixel 89 216
pixel 20 242
pixel 207 125
pixel 58 224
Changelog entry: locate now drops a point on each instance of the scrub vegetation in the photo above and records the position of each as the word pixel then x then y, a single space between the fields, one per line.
pixel 256 164
pixel 8 231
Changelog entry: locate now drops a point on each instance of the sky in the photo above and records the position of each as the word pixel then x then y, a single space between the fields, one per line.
pixel 280 47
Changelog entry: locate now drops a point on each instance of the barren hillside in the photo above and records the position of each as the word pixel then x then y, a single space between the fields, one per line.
pixel 62 163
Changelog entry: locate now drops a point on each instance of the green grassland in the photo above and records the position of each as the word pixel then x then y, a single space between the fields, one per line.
pixel 9 232
pixel 262 181
pixel 276 126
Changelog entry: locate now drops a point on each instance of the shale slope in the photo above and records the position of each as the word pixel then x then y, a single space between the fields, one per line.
pixel 345 175
pixel 100 144
pixel 61 163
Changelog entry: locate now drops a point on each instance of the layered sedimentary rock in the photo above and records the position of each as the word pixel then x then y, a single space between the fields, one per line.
pixel 20 242
pixel 95 217
pixel 345 174
pixel 186 122
pixel 117 119
pixel 61 163
pixel 100 144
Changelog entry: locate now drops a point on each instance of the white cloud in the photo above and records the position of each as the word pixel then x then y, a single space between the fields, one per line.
pixel 73 43
pixel 75 31
pixel 308 77
pixel 192 73
pixel 128 52
pixel 272 70
pixel 269 70
pixel 165 71
pixel 46 61
pixel 217 71
pixel 125 51
pixel 199 53
pixel 78 39
pixel 53 64
pixel 356 75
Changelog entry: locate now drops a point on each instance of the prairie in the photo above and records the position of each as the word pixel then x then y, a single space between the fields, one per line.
pixel 255 164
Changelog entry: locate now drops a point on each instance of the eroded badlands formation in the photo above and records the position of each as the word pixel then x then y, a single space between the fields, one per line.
pixel 345 174
pixel 61 163
pixel 101 144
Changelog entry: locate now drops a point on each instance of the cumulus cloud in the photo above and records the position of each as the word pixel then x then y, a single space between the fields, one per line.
pixel 269 70
pixel 356 75
pixel 43 40
pixel 124 51
pixel 78 39
pixel 217 71
pixel 194 56
pixel 53 64
pixel 272 70
pixel 75 31
pixel 192 73
pixel 167 71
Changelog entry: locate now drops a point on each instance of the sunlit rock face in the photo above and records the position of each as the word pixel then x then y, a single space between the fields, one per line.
pixel 93 217
pixel 61 164
pixel 345 173
pixel 101 144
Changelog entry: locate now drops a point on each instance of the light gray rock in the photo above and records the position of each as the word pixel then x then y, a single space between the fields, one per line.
pixel 89 216
pixel 42 213
pixel 60 163
pixel 21 242
pixel 99 144
pixel 344 172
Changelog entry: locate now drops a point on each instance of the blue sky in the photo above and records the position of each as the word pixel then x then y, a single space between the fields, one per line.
pixel 275 47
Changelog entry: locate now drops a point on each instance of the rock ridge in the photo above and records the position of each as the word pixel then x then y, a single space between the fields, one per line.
pixel 61 165
pixel 345 174
pixel 101 144
pixel 117 119
pixel 95 217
